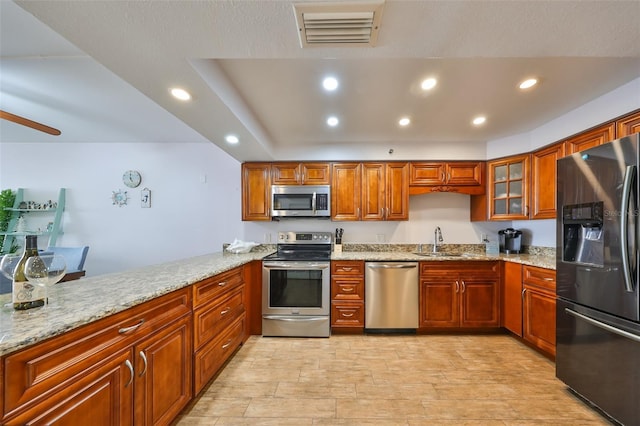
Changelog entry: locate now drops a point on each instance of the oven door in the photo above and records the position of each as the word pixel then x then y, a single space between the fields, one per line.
pixel 295 288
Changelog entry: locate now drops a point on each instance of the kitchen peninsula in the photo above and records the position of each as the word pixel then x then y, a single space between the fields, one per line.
pixel 173 316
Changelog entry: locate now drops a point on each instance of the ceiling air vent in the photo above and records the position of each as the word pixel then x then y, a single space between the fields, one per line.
pixel 338 24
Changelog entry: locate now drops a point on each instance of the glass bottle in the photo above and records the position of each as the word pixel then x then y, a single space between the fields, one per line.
pixel 26 295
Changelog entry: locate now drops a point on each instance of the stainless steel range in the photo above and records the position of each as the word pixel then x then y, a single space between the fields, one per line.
pixel 296 286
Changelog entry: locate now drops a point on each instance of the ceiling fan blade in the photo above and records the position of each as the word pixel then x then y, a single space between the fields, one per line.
pixel 29 123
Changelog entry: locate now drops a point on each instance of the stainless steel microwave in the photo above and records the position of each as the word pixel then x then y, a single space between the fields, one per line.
pixel 301 201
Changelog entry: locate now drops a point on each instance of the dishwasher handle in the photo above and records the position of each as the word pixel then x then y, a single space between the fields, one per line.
pixel 391 266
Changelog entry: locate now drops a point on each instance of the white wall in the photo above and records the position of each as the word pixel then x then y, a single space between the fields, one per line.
pixel 449 211
pixel 187 216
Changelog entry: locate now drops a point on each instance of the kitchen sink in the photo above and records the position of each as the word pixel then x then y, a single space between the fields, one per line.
pixel 438 254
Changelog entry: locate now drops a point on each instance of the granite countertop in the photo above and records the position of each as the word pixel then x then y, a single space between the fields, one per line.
pixel 541 261
pixel 75 303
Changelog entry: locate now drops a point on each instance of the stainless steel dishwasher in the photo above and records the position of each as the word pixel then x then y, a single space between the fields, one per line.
pixel 391 296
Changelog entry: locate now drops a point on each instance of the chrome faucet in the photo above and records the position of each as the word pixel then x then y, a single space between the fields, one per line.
pixel 437 238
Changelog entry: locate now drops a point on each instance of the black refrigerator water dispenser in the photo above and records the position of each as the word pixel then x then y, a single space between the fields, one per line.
pixel 583 240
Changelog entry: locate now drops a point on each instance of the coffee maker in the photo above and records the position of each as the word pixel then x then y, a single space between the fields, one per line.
pixel 510 240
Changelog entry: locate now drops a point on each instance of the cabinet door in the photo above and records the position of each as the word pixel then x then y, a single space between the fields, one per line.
pixel 105 396
pixel 479 301
pixel 512 298
pixel 539 324
pixel 397 191
pixel 509 188
pixel 598 136
pixel 256 191
pixel 315 173
pixel 346 180
pixel 427 173
pixel 439 302
pixel 543 181
pixel 163 374
pixel 464 173
pixel 628 125
pixel 285 173
pixel 373 191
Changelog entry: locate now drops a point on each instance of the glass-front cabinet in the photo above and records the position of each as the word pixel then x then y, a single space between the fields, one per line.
pixel 509 188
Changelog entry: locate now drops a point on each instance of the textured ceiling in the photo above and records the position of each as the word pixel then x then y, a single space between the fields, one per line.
pixel 105 68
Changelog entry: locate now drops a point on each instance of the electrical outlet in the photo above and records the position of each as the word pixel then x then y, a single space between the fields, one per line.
pixel 381 238
pixel 483 237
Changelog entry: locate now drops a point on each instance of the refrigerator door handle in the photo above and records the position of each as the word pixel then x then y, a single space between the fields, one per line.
pixel 604 326
pixel 629 178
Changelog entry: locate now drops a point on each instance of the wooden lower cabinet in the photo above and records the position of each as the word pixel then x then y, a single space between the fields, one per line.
pixel 163 374
pixel 347 296
pixel 539 308
pixel 105 395
pixel 512 297
pixel 137 358
pixel 219 323
pixel 459 294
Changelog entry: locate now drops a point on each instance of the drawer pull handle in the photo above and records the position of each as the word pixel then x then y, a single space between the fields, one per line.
pixel 347 269
pixel 348 289
pixel 226 345
pixel 124 330
pixel 226 311
pixel 144 358
pixel 130 367
pixel 222 283
pixel 548 279
pixel 347 315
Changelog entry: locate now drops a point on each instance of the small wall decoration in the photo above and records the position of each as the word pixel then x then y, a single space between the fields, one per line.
pixel 119 198
pixel 145 198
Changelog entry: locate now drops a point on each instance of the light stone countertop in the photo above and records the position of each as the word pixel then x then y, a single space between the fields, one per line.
pixel 548 262
pixel 76 303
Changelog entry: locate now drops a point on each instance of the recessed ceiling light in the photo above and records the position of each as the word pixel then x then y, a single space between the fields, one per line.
pixel 530 82
pixel 181 94
pixel 428 83
pixel 232 139
pixel 479 120
pixel 330 84
pixel 404 121
pixel 332 121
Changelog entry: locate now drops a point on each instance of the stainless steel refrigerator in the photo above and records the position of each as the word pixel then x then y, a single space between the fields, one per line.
pixel 598 309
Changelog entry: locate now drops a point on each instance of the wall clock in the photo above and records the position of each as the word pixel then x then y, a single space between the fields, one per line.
pixel 119 198
pixel 132 178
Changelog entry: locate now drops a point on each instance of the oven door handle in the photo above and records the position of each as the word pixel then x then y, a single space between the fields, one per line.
pixel 301 319
pixel 313 266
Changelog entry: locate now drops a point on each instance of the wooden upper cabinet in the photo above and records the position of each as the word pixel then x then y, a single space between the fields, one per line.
pixel 346 181
pixel 628 125
pixel 397 191
pixel 370 191
pixel 509 188
pixel 373 191
pixel 427 173
pixel 256 191
pixel 594 137
pixel 300 173
pixel 459 176
pixel 543 181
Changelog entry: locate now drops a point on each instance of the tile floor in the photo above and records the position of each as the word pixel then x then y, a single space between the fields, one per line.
pixel 389 380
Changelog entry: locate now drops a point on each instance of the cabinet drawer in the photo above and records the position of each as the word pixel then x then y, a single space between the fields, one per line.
pixel 40 371
pixel 347 267
pixel 209 359
pixel 541 277
pixel 213 287
pixel 347 314
pixel 473 267
pixel 212 318
pixel 347 288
